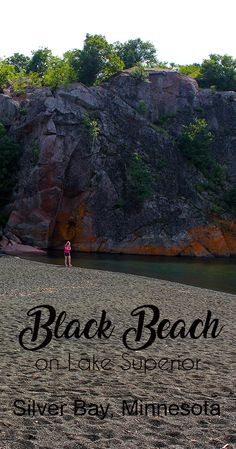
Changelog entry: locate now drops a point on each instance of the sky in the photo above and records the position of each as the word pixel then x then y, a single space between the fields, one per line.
pixel 183 31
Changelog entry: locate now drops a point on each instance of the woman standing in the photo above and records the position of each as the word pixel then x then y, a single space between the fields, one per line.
pixel 67 256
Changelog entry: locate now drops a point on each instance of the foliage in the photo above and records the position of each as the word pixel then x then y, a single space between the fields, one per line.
pixel 172 65
pixel 141 179
pixel 217 173
pixel 139 73
pixel 196 145
pixel 19 61
pixel 18 80
pixel 40 61
pixel 72 57
pixel 59 72
pixel 142 107
pixel 21 83
pixel 136 51
pixel 120 204
pixel 216 208
pixel 23 111
pixel 159 129
pixel 192 70
pixel 163 118
pixel 112 66
pixel 9 155
pixel 7 73
pixel 98 60
pixel 218 71
pixel 201 187
pixel 91 125
pixel 34 79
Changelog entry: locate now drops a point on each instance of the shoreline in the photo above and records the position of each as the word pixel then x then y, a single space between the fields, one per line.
pixel 147 275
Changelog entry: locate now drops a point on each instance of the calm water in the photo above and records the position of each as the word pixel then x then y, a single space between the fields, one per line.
pixel 216 274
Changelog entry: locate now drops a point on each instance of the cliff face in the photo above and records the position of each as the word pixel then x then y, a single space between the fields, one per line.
pixel 73 185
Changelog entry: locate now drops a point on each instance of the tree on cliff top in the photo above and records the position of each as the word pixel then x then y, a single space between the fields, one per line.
pixel 218 71
pixel 136 51
pixel 40 61
pixel 7 74
pixel 98 60
pixel 72 57
pixel 19 61
pixel 192 70
pixel 58 73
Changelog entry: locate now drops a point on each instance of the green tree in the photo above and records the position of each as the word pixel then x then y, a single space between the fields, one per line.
pixel 192 70
pixel 136 51
pixel 19 61
pixel 7 73
pixel 139 73
pixel 72 57
pixel 98 60
pixel 141 179
pixel 142 108
pixel 40 61
pixel 19 81
pixel 219 71
pixel 58 73
pixel 92 127
pixel 196 144
pixel 9 156
pixel 31 80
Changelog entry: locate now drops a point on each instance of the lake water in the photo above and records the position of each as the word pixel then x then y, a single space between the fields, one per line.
pixel 216 274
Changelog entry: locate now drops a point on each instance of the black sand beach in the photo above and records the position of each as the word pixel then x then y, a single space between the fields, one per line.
pixel 208 376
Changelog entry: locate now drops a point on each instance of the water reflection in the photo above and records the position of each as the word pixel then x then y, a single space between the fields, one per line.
pixel 217 274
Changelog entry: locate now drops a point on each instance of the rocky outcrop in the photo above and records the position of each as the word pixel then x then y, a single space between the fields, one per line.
pixel 16 248
pixel 74 185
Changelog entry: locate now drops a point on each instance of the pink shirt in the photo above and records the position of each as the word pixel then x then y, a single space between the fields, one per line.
pixel 67 248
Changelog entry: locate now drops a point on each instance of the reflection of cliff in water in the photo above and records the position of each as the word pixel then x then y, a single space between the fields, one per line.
pixel 215 274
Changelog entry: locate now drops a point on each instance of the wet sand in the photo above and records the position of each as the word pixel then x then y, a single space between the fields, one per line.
pixel 83 294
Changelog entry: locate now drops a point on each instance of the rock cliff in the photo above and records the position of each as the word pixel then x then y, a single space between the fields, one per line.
pixel 74 184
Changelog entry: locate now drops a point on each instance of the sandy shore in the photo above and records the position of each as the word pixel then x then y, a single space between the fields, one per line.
pixel 83 294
